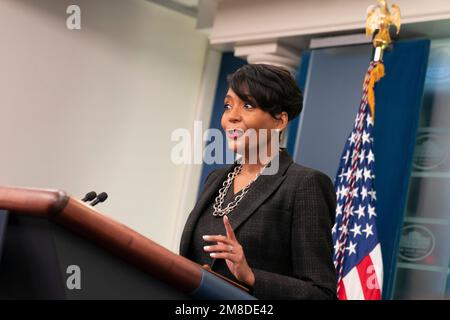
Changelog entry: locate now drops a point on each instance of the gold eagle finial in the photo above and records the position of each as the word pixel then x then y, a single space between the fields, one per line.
pixel 380 18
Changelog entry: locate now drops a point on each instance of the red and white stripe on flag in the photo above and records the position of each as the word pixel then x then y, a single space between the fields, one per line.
pixel 365 281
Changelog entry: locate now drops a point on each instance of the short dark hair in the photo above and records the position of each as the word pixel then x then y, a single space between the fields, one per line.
pixel 270 87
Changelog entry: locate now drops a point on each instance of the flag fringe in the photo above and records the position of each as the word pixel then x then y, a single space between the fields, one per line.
pixel 375 75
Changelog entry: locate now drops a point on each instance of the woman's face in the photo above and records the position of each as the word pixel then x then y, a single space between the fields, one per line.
pixel 238 117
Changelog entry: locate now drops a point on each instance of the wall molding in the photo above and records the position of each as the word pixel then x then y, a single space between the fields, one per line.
pixel 236 21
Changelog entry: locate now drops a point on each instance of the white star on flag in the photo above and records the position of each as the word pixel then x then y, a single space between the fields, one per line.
pixel 363 193
pixel 368 230
pixel 360 212
pixel 370 157
pixel 367 174
pixel 351 248
pixel 371 211
pixel 356 230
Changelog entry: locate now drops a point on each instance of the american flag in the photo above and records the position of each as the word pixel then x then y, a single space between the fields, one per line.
pixel 357 251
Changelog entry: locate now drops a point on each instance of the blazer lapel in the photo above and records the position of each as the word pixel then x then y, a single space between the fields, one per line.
pixel 261 189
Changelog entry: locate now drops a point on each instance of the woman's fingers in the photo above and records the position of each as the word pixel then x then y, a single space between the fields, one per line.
pixel 219 247
pixel 224 255
pixel 228 228
pixel 217 238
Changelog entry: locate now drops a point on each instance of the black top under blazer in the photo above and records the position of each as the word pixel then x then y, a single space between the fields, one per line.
pixel 284 226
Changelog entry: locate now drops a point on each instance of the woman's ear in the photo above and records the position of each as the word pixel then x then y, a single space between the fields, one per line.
pixel 283 120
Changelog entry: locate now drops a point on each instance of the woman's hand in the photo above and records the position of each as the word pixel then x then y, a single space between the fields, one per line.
pixel 228 248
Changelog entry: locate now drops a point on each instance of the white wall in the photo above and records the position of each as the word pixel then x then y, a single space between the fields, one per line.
pixel 93 109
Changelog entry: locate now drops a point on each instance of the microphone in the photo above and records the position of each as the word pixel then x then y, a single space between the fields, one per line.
pixel 89 196
pixel 100 198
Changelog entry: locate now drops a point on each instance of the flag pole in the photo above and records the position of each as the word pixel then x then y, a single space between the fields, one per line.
pixel 378 23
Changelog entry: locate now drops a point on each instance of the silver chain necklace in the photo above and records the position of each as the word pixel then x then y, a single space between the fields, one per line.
pixel 218 210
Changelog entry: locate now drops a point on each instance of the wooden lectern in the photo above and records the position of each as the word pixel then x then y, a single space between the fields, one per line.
pixel 53 246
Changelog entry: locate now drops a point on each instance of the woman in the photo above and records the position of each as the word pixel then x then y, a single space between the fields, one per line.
pixel 270 232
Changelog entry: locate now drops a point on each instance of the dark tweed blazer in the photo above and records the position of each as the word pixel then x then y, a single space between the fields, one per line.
pixel 284 226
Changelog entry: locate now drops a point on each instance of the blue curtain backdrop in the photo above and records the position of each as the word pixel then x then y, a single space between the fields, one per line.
pixel 398 103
